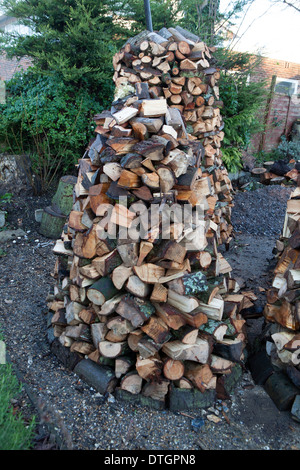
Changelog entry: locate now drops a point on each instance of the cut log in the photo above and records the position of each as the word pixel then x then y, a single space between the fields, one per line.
pixel 121 216
pixel 52 223
pixel 153 125
pixel 113 337
pixel 129 254
pixel 134 338
pixel 214 310
pixel 183 383
pixel 101 291
pixel 129 180
pixel 125 115
pixel 109 305
pixel 281 312
pixel 98 331
pixel 88 315
pixel 113 170
pixel 283 338
pixel 173 370
pixel 121 145
pixel 82 347
pixel 99 377
pixel 170 250
pixel 151 180
pixel 112 350
pixel 166 178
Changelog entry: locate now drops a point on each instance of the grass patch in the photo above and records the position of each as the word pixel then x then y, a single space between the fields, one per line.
pixel 15 434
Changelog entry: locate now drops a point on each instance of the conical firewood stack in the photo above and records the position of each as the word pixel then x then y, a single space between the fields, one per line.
pixel 179 67
pixel 142 290
pixel 282 309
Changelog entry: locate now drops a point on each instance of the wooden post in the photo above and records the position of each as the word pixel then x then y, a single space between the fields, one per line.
pixel 267 113
pixel 287 115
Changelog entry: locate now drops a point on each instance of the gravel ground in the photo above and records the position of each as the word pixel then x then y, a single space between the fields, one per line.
pixel 71 415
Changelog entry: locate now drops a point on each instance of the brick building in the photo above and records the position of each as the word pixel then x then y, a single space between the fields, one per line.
pixel 9 67
pixel 283 108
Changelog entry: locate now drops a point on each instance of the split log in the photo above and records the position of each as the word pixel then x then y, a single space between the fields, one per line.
pixel 120 275
pixel 184 304
pixel 132 383
pixel 149 273
pixel 170 315
pixel 231 349
pixel 156 390
pixel 189 284
pixel 136 287
pixel 149 369
pixel 137 311
pixel 123 365
pixel 153 108
pixel 159 293
pixel 106 264
pixel 198 352
pixel 187 334
pixel 200 375
pixel 156 329
pixel 214 328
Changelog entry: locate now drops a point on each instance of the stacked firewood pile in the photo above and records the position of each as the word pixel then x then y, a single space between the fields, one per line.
pixel 179 67
pixel 141 287
pixel 283 307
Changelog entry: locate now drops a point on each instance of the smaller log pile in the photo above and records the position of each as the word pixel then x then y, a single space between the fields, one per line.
pixel 276 173
pixel 283 298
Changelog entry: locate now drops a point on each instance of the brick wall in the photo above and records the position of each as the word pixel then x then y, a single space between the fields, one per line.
pixel 280 68
pixel 283 110
pixel 9 67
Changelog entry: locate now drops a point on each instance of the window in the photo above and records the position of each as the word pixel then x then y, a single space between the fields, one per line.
pixel 286 86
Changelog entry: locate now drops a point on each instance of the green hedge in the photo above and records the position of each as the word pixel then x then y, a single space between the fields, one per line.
pixel 50 120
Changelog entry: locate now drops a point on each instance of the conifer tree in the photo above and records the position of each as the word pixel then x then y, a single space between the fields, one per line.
pixel 76 38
